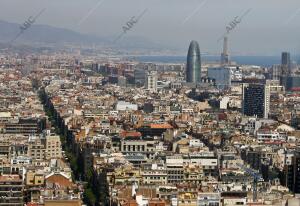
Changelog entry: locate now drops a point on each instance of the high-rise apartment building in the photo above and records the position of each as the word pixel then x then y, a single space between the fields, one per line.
pixel 292 173
pixel 151 81
pixel 276 71
pixel 256 100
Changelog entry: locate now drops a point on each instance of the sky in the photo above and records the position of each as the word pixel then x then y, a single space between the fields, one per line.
pixel 272 26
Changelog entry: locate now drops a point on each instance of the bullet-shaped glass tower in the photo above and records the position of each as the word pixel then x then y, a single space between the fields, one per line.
pixel 193 67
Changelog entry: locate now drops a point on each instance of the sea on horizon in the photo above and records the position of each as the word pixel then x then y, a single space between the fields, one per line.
pixel 265 61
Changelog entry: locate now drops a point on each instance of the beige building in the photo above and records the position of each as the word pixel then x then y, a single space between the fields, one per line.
pixel 155 174
pixel 187 199
pixel 53 147
pixel 45 147
pixel 63 203
pixel 34 179
pixel 36 148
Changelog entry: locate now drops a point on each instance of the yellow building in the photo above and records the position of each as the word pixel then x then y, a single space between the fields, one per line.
pixel 187 199
pixel 34 179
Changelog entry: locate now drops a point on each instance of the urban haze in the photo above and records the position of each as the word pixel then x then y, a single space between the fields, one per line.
pixel 149 103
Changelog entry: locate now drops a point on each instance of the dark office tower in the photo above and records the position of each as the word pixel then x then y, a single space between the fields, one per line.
pixel 286 63
pixel 256 100
pixel 225 54
pixel 193 67
pixel 139 77
pixel 292 173
pixel 95 67
pixel 285 58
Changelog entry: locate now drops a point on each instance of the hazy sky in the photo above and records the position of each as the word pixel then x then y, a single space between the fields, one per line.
pixel 271 27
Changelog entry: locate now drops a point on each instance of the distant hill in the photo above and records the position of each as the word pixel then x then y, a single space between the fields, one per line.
pixel 53 35
pixel 44 34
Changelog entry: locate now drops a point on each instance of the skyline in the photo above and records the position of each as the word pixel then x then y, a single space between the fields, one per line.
pixel 273 24
pixel 149 103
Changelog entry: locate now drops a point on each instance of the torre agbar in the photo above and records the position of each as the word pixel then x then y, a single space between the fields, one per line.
pixel 193 69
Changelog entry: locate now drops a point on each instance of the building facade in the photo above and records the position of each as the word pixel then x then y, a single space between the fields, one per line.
pixel 193 67
pixel 221 75
pixel 256 100
pixel 151 81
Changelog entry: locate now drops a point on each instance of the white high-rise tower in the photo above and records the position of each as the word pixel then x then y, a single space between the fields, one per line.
pixel 151 81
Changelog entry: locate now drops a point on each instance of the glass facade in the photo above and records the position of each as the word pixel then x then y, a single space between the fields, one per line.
pixel 254 100
pixel 222 77
pixel 193 67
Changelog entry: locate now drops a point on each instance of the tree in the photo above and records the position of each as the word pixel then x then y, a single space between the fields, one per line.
pixel 89 197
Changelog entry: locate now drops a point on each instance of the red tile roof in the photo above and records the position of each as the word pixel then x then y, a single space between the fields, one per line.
pixel 161 126
pixel 130 134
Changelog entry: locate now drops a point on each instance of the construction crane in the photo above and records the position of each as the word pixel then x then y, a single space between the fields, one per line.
pixel 256 177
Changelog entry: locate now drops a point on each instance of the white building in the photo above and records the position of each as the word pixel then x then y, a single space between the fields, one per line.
pixel 267 135
pixel 151 81
pixel 123 106
pixel 224 102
